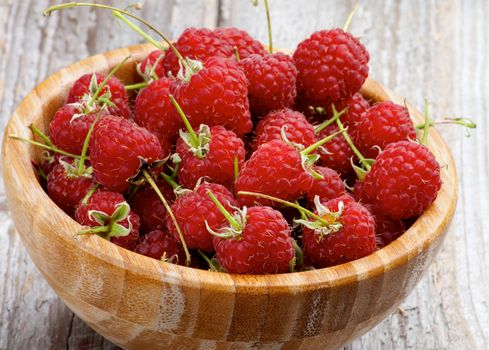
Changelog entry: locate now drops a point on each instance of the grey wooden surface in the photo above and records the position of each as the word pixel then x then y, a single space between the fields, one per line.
pixel 438 49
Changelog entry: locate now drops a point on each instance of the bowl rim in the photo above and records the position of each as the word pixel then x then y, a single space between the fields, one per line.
pixel 398 253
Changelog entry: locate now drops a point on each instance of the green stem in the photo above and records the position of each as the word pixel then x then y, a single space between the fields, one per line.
pixel 94 230
pixel 330 121
pixel 191 131
pixel 171 181
pixel 209 261
pixel 355 150
pixel 427 122
pixel 48 11
pixel 43 136
pixel 42 145
pixel 236 168
pixel 321 142
pixel 350 16
pixel 224 212
pixel 467 122
pixel 287 203
pixel 170 212
pixel 90 192
pixel 136 86
pixel 104 82
pixel 269 24
pixel 137 30
pixel 83 156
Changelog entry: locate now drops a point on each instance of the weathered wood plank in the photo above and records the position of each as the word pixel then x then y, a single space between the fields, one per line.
pixel 437 49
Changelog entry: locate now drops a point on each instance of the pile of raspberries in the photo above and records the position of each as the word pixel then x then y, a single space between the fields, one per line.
pixel 239 160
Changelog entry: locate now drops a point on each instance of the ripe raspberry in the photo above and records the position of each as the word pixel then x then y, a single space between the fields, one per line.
pixel 271 82
pixel 332 65
pixel 381 125
pixel 117 149
pixel 149 208
pixel 263 246
pixel 66 188
pixel 154 110
pixel 103 208
pixel 336 154
pixel 67 131
pixel 297 128
pixel 193 209
pixel 151 67
pixel 84 88
pixel 240 39
pixel 197 44
pixel 330 187
pixel 160 245
pixel 349 235
pixel 216 95
pixel 274 169
pixel 214 158
pixel 403 181
pixel 387 230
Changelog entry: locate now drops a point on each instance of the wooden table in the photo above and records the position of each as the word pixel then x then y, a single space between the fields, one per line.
pixel 435 49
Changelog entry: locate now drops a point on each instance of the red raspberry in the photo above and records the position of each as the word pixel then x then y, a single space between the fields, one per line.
pixel 117 148
pixel 216 95
pixel 107 203
pixel 383 124
pixel 194 208
pixel 151 67
pixel 387 230
pixel 149 207
pixel 332 65
pixel 271 82
pixel 263 246
pixel 67 131
pixel 350 234
pixel 356 106
pixel 51 160
pixel 154 110
pixel 66 188
pixel 196 44
pixel 83 91
pixel 274 169
pixel 403 181
pixel 240 39
pixel 336 154
pixel 217 158
pixel 330 187
pixel 160 245
pixel 297 128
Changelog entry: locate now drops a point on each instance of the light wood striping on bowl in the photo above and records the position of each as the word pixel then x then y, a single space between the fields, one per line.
pixel 138 302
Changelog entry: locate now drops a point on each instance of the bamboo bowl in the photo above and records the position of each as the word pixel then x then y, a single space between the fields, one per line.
pixel 141 303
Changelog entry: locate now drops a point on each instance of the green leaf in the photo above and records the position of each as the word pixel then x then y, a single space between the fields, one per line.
pixel 117 230
pixel 98 216
pixel 122 212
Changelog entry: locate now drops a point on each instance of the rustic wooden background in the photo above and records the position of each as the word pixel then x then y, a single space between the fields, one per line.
pixel 438 49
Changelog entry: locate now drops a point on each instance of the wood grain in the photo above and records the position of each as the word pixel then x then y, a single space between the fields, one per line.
pixel 436 49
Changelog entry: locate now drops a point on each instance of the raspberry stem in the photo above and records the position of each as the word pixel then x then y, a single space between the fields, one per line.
pixel 104 82
pixel 90 192
pixel 42 145
pixel 269 24
pixel 235 224
pixel 170 212
pixel 83 156
pixel 355 150
pixel 193 135
pixel 350 16
pixel 170 181
pixel 236 168
pixel 212 266
pixel 467 122
pixel 136 86
pixel 138 30
pixel 330 121
pixel 427 121
pixel 321 142
pixel 284 202
pixel 39 133
pixel 47 12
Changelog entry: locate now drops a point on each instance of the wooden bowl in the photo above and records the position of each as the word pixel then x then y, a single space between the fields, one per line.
pixel 141 303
